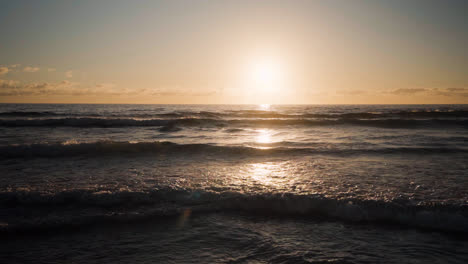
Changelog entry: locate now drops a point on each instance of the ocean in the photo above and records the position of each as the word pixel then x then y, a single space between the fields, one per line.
pixel 233 183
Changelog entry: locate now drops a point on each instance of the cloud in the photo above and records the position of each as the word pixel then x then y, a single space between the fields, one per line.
pixel 15 88
pixel 4 70
pixel 7 84
pixel 31 69
pixel 456 89
pixel 351 92
pixel 65 87
pixel 406 91
pixel 449 92
pixel 110 89
pixel 105 85
pixel 69 74
pixel 177 91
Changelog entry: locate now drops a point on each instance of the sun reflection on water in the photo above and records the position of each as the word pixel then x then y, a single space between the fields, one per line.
pixel 264 136
pixel 264 107
pixel 270 176
pixel 264 173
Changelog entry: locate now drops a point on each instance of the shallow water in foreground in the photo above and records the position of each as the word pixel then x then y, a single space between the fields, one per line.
pixel 280 184
pixel 218 237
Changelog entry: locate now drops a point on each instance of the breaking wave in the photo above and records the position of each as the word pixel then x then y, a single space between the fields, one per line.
pixel 203 122
pixel 27 114
pixel 85 207
pixel 430 114
pixel 101 148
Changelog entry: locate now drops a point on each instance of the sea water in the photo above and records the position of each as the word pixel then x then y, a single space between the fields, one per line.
pixel 234 183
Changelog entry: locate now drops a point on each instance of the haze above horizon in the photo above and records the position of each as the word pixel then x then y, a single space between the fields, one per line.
pixel 239 52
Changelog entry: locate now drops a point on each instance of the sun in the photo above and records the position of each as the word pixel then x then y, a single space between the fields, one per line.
pixel 264 80
pixel 266 74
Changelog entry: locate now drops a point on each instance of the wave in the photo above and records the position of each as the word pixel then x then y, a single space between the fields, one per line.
pixel 355 115
pixel 84 207
pixel 203 122
pixel 101 122
pixel 101 148
pixel 429 114
pixel 27 114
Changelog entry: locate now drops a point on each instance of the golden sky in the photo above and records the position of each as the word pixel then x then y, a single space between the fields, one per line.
pixel 216 52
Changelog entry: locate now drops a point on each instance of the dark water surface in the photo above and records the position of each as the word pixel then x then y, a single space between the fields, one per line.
pixel 226 183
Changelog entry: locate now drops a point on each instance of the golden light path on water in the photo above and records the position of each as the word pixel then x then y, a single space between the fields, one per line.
pixel 264 107
pixel 272 176
pixel 264 136
pixel 265 173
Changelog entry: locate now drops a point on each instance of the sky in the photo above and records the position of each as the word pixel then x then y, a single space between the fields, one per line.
pixel 218 52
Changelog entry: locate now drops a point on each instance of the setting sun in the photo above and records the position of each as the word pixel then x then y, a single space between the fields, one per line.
pixel 265 76
pixel 266 72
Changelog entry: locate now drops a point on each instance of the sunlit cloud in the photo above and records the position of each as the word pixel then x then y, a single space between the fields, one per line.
pixel 111 89
pixel 449 92
pixel 408 91
pixel 178 91
pixel 7 84
pixel 105 85
pixel 31 69
pixel 457 89
pixel 4 70
pixel 455 92
pixel 352 92
pixel 15 88
pixel 66 87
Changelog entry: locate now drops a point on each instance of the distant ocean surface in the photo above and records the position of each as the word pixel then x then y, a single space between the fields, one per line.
pixel 233 183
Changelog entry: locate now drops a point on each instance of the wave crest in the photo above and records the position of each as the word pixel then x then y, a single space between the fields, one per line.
pixel 210 122
pixel 156 113
pixel 113 206
pixel 101 148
